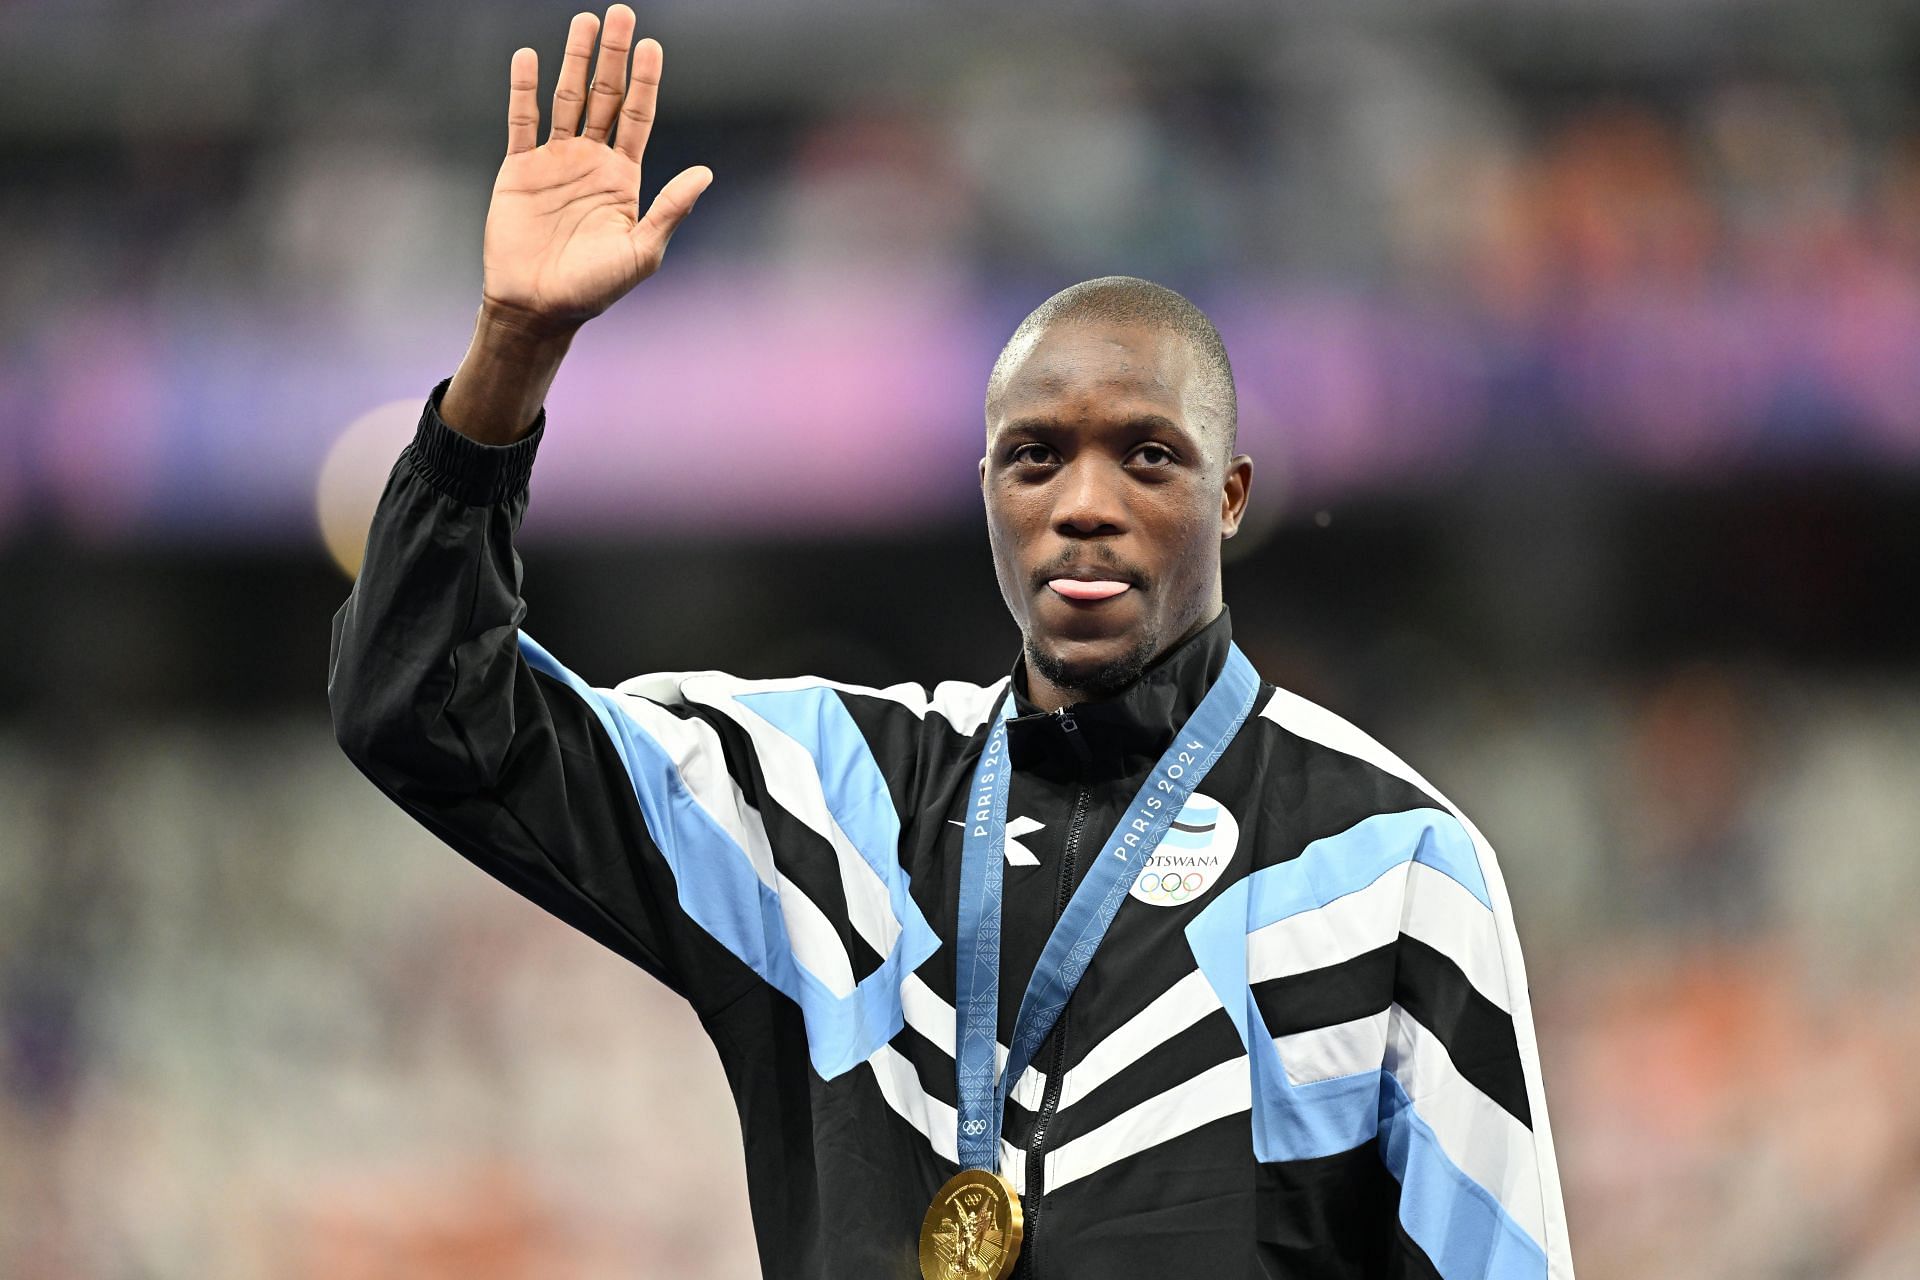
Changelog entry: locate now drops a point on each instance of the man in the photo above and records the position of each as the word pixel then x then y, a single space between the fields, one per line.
pixel 1128 963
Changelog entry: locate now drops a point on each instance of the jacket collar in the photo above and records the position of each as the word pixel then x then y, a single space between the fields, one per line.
pixel 1126 733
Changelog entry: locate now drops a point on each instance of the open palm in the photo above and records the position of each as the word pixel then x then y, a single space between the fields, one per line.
pixel 565 239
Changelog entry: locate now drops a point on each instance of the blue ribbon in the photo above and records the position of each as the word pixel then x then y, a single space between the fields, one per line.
pixel 1077 934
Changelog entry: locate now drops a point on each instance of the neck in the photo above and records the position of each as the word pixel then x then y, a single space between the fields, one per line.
pixel 1049 696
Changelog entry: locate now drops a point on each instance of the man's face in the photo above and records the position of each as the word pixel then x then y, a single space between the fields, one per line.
pixel 1107 496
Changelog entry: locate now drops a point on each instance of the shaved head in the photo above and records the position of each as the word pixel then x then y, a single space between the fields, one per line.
pixel 1129 300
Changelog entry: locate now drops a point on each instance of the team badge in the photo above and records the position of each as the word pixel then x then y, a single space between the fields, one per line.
pixel 1195 852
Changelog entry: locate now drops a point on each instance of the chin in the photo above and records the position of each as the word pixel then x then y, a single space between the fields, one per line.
pixel 1095 669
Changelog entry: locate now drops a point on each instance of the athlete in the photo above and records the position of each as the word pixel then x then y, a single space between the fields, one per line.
pixel 1126 963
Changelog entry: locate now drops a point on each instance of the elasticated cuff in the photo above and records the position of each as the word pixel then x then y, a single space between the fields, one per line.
pixel 463 468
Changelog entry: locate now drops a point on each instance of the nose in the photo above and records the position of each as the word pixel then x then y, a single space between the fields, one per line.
pixel 1091 501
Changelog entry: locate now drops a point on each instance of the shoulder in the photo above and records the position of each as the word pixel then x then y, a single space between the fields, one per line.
pixel 962 706
pixel 1332 774
pixel 956 706
pixel 1322 733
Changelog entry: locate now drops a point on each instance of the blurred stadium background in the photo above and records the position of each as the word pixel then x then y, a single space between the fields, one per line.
pixel 1579 347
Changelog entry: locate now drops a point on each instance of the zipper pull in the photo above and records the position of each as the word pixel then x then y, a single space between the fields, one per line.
pixel 1066 720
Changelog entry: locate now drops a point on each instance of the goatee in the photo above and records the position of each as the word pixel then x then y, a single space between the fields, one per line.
pixel 1093 683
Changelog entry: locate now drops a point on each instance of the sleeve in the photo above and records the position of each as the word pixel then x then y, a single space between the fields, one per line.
pixel 1463 1122
pixel 488 742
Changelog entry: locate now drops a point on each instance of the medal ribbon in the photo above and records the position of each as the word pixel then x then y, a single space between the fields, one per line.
pixel 1077 934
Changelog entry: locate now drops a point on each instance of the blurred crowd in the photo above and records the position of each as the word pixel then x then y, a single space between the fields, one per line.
pixel 1428 250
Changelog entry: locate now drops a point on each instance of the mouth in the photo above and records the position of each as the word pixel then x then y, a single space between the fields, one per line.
pixel 1089 584
pixel 1088 591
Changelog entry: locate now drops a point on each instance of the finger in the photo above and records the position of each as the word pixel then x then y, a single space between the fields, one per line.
pixel 674 203
pixel 523 111
pixel 609 73
pixel 570 95
pixel 636 114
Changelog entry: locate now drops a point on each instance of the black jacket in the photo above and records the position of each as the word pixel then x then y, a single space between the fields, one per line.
pixel 1304 1048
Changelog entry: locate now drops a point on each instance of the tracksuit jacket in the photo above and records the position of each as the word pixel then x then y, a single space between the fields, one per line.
pixel 1304 1048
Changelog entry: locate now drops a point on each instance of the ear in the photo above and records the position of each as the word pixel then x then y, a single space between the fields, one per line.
pixel 983 473
pixel 1234 488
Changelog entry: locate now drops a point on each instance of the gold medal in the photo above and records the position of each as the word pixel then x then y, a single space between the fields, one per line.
pixel 972 1229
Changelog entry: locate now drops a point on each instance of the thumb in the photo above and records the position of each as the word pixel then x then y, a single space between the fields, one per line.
pixel 675 202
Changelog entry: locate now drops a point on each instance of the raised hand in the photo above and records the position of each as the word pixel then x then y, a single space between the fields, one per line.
pixel 565 238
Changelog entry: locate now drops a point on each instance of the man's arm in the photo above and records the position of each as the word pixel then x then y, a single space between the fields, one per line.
pixel 496 395
pixel 433 701
pixel 1463 1118
pixel 432 692
pixel 1445 1074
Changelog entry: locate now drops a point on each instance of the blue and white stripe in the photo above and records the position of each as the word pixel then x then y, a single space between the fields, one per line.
pixel 1321 1092
pixel 1479 1190
pixel 1516 1172
pixel 818 767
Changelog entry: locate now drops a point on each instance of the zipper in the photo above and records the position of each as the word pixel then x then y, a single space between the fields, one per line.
pixel 1036 1189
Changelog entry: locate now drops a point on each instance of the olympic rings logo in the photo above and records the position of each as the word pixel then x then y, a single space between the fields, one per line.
pixel 1169 886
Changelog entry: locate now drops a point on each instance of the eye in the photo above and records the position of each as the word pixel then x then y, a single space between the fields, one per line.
pixel 1155 455
pixel 1030 453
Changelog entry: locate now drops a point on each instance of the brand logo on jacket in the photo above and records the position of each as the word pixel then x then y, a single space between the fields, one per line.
pixel 1192 856
pixel 1018 855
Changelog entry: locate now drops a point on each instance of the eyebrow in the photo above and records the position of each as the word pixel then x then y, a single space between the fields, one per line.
pixel 1149 421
